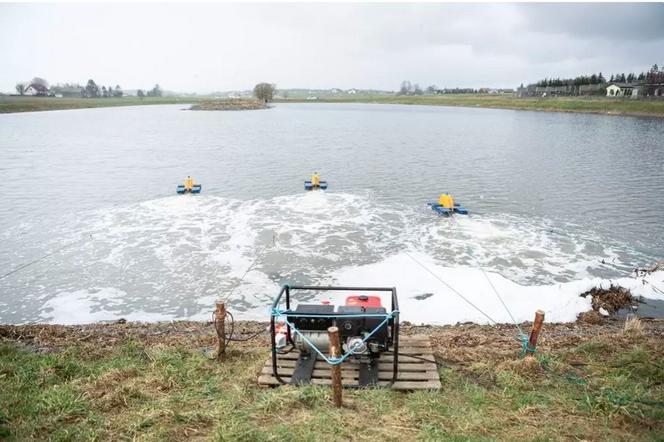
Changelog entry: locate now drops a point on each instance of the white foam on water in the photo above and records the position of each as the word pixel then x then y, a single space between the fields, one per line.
pixel 89 306
pixel 173 257
pixel 443 305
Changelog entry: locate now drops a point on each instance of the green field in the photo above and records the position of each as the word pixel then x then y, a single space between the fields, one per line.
pixel 600 105
pixel 10 104
pixel 158 382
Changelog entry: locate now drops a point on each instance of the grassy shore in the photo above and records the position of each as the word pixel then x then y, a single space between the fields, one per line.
pixel 10 104
pixel 599 105
pixel 158 382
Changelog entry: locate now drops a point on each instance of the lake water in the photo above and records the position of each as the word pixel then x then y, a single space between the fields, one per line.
pixel 554 198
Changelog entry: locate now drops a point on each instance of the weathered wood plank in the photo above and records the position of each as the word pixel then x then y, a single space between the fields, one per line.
pixel 414 373
pixel 269 381
pixel 382 366
pixel 354 374
pixel 414 338
pixel 383 358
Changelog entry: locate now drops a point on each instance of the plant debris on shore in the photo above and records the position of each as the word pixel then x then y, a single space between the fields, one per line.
pixel 160 381
pixel 610 300
pixel 229 105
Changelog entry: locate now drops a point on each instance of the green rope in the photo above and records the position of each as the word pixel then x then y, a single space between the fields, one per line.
pixel 525 348
pixel 277 313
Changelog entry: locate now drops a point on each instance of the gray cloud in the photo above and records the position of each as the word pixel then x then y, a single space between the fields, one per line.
pixel 206 47
pixel 635 22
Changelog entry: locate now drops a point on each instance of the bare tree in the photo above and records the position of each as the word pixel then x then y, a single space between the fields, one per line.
pixel 37 81
pixel 155 92
pixel 91 89
pixel 20 88
pixel 40 85
pixel 264 91
pixel 406 88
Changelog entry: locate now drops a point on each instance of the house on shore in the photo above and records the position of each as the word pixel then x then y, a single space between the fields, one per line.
pixel 653 90
pixel 36 89
pixel 622 90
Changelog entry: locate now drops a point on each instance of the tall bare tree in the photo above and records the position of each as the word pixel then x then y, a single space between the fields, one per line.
pixel 91 89
pixel 20 88
pixel 264 91
pixel 406 88
pixel 40 85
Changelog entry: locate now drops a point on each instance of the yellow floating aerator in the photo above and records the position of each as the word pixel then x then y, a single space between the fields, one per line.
pixel 446 206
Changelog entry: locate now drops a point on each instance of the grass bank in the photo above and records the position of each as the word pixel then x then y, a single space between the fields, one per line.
pixel 599 105
pixel 157 382
pixel 10 104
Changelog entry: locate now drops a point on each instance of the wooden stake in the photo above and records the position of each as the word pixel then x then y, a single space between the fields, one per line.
pixel 220 325
pixel 335 352
pixel 534 333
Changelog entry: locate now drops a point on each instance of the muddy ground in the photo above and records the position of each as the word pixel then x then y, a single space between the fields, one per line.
pixel 454 344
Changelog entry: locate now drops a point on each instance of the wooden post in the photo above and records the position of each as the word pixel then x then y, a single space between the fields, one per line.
pixel 534 333
pixel 220 326
pixel 335 352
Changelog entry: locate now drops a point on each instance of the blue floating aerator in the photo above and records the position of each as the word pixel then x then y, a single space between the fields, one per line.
pixel 195 189
pixel 309 186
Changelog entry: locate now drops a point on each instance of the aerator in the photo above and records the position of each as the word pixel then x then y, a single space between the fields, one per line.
pixel 367 330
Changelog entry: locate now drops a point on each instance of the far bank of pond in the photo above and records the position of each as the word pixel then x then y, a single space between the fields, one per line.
pixel 597 105
pixel 13 104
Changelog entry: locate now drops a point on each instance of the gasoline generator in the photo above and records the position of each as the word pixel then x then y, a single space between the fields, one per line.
pixel 366 331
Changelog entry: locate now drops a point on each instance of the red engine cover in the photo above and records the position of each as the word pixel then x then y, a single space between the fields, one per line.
pixel 364 301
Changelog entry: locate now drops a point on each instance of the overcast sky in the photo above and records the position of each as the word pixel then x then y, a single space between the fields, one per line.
pixel 217 47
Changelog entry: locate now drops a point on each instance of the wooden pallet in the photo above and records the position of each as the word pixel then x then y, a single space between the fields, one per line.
pixel 414 374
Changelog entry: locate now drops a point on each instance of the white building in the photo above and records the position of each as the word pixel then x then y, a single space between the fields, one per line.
pixel 622 90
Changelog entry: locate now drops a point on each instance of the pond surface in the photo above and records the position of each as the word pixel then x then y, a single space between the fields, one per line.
pixel 553 198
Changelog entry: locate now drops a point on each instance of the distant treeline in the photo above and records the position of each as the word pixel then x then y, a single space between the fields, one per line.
pixel 40 87
pixel 91 90
pixel 408 88
pixel 654 75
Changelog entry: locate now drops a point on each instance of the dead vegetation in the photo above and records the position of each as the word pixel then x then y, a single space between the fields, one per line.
pixel 610 300
pixel 161 382
pixel 659 265
pixel 229 105
pixel 633 325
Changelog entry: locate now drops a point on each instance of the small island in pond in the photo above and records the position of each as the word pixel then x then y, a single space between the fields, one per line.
pixel 230 105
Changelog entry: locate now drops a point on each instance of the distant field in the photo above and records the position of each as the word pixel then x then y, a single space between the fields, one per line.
pixel 10 104
pixel 553 104
pixel 600 105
